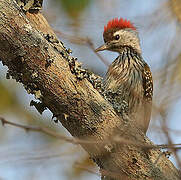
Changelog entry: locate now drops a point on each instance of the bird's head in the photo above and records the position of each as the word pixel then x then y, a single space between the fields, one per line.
pixel 120 33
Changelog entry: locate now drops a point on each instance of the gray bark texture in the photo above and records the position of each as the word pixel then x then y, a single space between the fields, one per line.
pixel 35 58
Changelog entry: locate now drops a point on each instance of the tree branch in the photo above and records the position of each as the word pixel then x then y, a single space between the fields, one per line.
pixel 44 66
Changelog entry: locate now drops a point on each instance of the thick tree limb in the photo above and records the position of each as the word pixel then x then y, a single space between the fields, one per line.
pixel 39 61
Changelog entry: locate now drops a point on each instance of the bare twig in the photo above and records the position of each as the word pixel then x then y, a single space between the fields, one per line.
pixel 79 141
pixel 40 129
pixel 164 128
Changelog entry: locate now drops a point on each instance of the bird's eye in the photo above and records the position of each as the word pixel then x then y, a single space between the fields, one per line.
pixel 116 37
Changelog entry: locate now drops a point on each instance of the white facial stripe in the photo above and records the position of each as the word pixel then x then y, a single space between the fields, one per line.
pixel 117 33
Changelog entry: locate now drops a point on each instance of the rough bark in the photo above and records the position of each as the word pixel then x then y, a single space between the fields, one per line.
pixel 35 58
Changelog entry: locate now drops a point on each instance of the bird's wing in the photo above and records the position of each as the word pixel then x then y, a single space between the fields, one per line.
pixel 148 93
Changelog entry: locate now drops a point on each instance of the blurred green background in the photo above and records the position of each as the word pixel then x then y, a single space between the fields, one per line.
pixel 30 155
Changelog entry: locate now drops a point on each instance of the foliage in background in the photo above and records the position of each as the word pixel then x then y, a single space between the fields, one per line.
pixel 74 8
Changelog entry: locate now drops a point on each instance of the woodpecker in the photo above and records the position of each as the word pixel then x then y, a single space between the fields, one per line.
pixel 128 84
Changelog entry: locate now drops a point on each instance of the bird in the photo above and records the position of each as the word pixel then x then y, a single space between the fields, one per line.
pixel 128 84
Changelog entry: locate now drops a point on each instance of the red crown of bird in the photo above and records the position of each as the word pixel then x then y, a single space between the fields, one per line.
pixel 119 23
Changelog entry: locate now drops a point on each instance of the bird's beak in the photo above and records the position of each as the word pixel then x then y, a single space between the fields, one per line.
pixel 102 48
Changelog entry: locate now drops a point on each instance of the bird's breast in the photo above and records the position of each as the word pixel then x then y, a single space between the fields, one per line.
pixel 124 85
